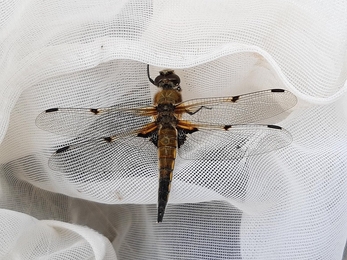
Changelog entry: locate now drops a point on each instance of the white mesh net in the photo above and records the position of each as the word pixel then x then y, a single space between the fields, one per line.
pixel 286 204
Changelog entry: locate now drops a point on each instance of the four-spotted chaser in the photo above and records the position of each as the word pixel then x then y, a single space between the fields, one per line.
pixel 216 128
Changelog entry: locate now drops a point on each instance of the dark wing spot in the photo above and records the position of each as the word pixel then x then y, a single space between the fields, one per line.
pixel 227 127
pixel 52 110
pixel 95 111
pixel 277 90
pixel 144 135
pixel 234 99
pixel 153 137
pixel 63 149
pixel 275 127
pixel 108 139
pixel 182 135
pixel 190 131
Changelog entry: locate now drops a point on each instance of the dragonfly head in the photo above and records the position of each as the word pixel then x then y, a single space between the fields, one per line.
pixel 167 79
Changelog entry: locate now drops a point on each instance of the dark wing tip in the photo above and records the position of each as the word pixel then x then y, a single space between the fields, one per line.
pixel 275 127
pixel 52 110
pixel 63 149
pixel 277 90
pixel 235 98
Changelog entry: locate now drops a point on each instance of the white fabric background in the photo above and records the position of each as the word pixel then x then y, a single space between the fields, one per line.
pixel 288 204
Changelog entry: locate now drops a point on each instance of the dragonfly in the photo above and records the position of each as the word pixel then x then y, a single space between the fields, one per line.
pixel 216 128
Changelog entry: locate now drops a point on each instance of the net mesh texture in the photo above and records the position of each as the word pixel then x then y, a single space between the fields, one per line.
pixel 98 203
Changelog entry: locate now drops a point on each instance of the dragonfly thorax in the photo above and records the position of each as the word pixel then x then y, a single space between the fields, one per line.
pixel 167 119
pixel 168 96
pixel 165 108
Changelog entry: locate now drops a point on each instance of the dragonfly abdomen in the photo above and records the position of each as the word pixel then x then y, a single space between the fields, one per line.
pixel 167 148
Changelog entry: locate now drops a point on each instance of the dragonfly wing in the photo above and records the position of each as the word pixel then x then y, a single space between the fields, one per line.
pixel 89 123
pixel 233 142
pixel 243 109
pixel 106 155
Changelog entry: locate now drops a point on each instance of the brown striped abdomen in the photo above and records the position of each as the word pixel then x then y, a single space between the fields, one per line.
pixel 167 148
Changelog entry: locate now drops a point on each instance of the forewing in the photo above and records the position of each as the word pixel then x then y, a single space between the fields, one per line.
pixel 90 123
pixel 233 142
pixel 106 155
pixel 243 109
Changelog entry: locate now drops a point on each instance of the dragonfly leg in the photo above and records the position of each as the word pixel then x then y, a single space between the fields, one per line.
pixel 196 111
pixel 149 76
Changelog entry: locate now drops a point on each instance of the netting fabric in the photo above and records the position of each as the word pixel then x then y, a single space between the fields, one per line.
pixel 290 203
